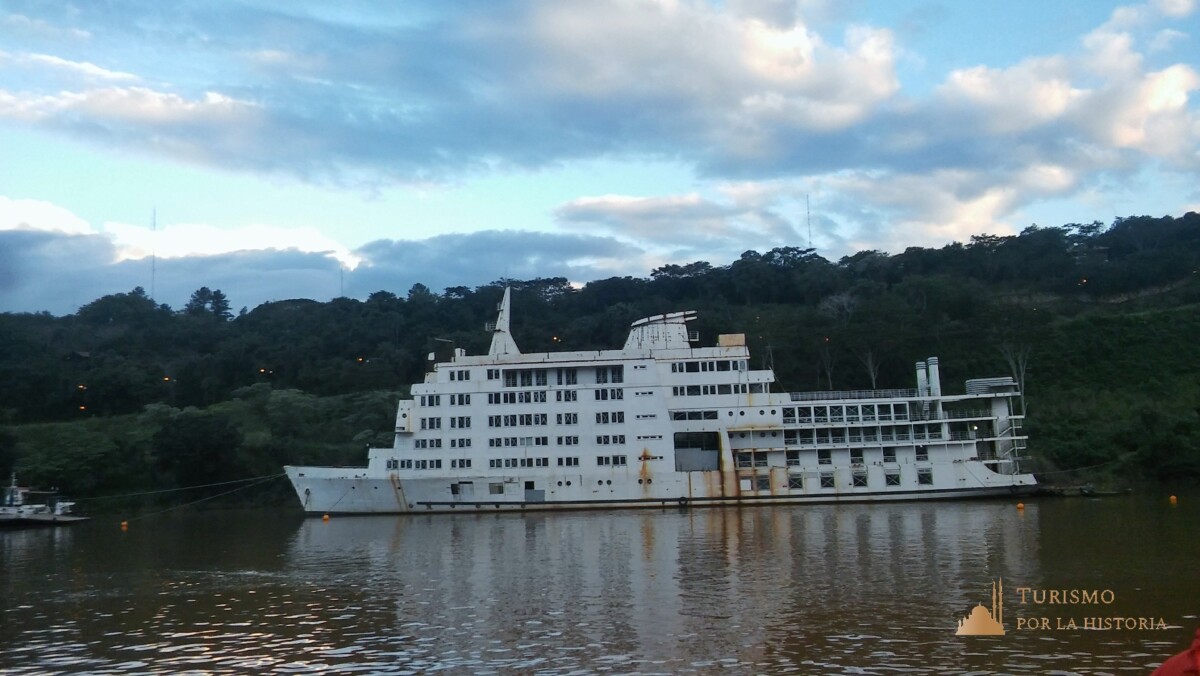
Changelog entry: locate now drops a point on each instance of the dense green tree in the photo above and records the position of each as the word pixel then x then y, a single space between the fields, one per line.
pixel 197 448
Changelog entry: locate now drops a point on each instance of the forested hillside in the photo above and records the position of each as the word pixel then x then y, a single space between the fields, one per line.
pixel 1101 323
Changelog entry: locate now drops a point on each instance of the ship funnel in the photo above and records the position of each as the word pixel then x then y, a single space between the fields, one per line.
pixel 935 379
pixel 502 340
pixel 922 380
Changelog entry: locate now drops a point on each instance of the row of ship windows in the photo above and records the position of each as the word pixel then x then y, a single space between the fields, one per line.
pixel 857 480
pixel 527 419
pixel 601 461
pixel 508 463
pixel 602 439
pixel 603 374
pixel 758 483
pixel 704 390
pixel 823 456
pixel 846 413
pixel 436 463
pixel 863 434
pixel 707 366
pixel 541 377
pixel 523 397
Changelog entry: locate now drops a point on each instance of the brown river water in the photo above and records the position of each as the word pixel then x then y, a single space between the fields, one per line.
pixel 838 589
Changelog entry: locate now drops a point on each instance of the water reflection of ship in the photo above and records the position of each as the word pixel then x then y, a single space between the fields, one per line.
pixel 984 622
pixel 636 582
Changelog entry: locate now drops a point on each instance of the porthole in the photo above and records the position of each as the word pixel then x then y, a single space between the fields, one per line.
pixel 639 482
pixel 741 413
pixel 772 411
pixel 560 483
pixel 761 412
pixel 599 482
pixel 568 483
pixel 609 482
pixel 649 481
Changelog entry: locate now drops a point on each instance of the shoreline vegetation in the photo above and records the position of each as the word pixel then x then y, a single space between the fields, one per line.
pixel 1099 323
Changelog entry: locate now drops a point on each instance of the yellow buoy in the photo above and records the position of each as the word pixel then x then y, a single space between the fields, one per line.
pixel 1020 505
pixel 325 518
pixel 1174 500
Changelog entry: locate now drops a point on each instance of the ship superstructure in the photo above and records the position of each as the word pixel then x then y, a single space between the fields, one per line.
pixel 662 421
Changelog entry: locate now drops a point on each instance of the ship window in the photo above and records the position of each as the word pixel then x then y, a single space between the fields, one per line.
pixel 453 489
pixel 493 374
pixel 601 374
pixel 860 479
pixel 692 367
pixel 856 456
pixel 889 455
pixel 496 488
pixel 762 483
pixel 922 453
pixel 826 481
pixel 824 456
pixel 723 365
pixel 796 482
pixel 793 458
pixel 893 478
pixel 925 477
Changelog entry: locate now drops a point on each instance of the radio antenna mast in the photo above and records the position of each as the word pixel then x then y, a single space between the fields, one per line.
pixel 808 217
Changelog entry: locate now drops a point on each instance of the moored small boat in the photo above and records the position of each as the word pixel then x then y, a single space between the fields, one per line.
pixel 18 512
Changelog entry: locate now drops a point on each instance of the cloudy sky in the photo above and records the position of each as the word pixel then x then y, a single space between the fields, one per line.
pixel 303 148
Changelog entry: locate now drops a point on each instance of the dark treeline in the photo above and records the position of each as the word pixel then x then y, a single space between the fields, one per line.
pixel 1101 323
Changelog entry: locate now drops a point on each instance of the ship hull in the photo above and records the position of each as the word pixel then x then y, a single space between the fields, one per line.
pixel 336 491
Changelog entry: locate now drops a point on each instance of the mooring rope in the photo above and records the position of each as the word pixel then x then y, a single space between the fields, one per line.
pixel 175 490
pixel 261 480
pixel 1078 469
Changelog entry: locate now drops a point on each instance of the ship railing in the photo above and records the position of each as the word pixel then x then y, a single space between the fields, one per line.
pixel 952 415
pixel 853 394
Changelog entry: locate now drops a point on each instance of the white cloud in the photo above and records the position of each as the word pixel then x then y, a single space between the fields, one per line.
pixel 132 104
pixel 28 214
pixel 1148 113
pixel 735 70
pixel 1174 8
pixel 26 25
pixel 1166 39
pixel 1032 93
pixel 180 240
pixel 83 68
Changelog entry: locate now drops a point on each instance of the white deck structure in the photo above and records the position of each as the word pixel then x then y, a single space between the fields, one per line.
pixel 661 422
